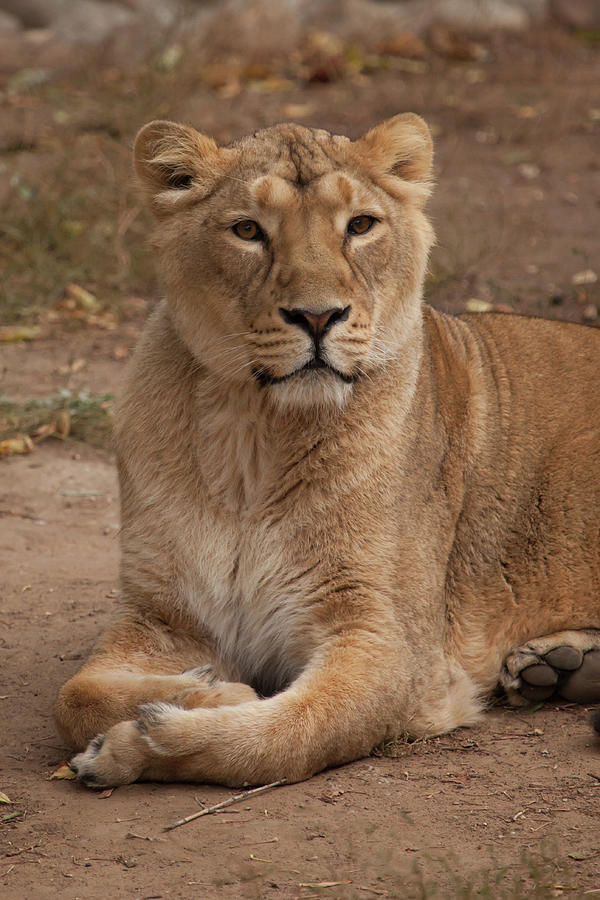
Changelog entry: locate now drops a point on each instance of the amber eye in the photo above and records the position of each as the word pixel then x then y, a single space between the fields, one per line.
pixel 248 231
pixel 361 224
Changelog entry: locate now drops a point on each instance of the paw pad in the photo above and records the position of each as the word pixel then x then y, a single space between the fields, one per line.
pixel 583 686
pixel 567 658
pixel 564 672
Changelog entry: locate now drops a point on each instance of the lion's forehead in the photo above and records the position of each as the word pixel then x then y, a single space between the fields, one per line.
pixel 331 191
pixel 294 153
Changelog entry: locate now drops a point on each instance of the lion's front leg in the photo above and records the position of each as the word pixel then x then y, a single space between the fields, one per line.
pixel 362 689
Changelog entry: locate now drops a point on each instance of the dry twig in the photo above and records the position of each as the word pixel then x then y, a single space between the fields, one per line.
pixel 224 803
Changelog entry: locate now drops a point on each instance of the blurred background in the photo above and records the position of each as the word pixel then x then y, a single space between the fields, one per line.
pixel 510 89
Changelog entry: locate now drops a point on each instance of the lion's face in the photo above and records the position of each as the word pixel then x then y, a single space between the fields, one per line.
pixel 293 259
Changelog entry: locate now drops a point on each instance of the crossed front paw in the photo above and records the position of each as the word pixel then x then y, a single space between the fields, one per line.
pixel 115 758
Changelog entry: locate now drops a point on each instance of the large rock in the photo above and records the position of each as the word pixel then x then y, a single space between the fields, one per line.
pixel 583 15
pixel 89 21
pixel 481 15
pixel 9 24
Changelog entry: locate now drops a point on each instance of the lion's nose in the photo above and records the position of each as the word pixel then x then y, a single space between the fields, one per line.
pixel 315 324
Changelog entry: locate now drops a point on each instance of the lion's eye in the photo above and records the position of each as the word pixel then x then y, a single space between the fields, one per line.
pixel 180 181
pixel 361 224
pixel 249 231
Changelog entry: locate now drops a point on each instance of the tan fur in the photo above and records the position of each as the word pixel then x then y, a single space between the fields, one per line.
pixel 354 556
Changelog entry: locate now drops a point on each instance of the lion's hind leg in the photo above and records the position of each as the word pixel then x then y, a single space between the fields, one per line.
pixel 137 664
pixel 565 665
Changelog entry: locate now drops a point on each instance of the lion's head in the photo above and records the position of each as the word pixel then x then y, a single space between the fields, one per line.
pixel 293 259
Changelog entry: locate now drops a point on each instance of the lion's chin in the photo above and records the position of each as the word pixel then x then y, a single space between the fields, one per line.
pixel 311 388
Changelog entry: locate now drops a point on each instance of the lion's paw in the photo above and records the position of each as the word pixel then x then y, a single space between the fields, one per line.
pixel 111 759
pixel 209 691
pixel 538 671
pixel 204 674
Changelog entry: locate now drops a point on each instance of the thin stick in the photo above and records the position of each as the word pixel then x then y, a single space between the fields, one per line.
pixel 223 804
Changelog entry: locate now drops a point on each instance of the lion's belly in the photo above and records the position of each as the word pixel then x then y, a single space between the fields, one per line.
pixel 239 587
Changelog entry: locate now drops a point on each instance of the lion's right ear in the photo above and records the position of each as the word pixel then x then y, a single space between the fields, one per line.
pixel 171 159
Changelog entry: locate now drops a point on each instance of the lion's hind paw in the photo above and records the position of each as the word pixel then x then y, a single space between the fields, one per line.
pixel 538 671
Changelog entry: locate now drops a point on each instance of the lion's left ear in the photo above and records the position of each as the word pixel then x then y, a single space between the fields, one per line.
pixel 400 146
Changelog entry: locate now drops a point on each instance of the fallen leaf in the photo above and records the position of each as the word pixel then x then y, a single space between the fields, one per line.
pixel 63 423
pixel 219 75
pixel 405 44
pixel 475 305
pixel 170 58
pixel 103 320
pixel 43 432
pixel 297 110
pixel 331 796
pixel 4 798
pixel 325 42
pixel 526 112
pixel 10 816
pixel 20 444
pixel 585 854
pixel 454 45
pixel 12 334
pixel 105 794
pixel 63 773
pixel 256 71
pixel 76 365
pixel 271 85
pixel 84 299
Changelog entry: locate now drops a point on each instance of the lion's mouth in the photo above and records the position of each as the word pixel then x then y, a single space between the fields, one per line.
pixel 264 377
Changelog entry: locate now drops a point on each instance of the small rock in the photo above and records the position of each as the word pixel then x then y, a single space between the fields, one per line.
pixel 9 24
pixel 483 15
pixel 487 137
pixel 590 312
pixel 587 276
pixel 528 171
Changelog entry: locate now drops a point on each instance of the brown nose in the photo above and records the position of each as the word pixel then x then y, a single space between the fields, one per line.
pixel 315 324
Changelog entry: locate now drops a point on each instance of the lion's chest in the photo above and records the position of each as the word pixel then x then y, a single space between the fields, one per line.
pixel 239 583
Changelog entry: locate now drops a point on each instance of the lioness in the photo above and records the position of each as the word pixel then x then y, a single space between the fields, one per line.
pixel 345 516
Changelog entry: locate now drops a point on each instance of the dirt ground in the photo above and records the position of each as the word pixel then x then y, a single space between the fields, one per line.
pixel 510 808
